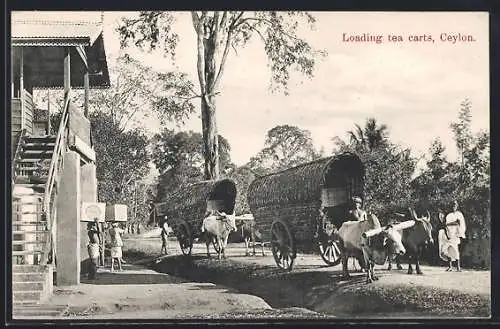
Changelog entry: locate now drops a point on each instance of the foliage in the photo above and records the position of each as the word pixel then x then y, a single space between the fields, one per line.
pixel 131 99
pixel 216 33
pixel 388 168
pixel 179 158
pixel 285 146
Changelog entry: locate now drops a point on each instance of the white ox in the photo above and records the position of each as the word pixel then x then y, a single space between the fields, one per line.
pixel 369 241
pixel 217 227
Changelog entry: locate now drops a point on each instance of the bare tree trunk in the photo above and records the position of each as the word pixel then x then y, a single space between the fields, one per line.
pixel 210 138
pixel 208 117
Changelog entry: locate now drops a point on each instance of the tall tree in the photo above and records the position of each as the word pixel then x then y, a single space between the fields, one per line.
pixel 285 146
pixel 217 32
pixel 474 150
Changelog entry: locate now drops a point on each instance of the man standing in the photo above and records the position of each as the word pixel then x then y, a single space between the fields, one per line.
pixel 93 247
pixel 164 237
pixel 116 245
pixel 449 237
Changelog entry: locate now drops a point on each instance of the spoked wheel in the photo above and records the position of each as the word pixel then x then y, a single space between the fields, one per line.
pixel 282 245
pixel 184 238
pixel 329 249
pixel 215 244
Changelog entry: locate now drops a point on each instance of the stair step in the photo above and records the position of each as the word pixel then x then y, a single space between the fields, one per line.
pixel 31 195
pixel 26 212
pixel 28 160
pixel 37 145
pixel 25 302
pixel 30 232
pixel 27 252
pixel 27 222
pixel 38 310
pixel 35 314
pixel 24 242
pixel 27 203
pixel 30 168
pixel 32 185
pixel 23 277
pixel 28 286
pixel 26 295
pixel 22 180
pixel 29 269
pixel 41 138
pixel 38 154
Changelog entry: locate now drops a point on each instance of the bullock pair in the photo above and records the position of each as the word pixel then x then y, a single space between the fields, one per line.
pixel 372 244
pixel 216 227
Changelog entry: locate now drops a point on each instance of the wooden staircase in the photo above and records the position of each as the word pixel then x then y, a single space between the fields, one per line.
pixel 32 279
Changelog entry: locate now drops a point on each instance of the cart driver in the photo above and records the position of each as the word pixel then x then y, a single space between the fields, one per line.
pixel 357 213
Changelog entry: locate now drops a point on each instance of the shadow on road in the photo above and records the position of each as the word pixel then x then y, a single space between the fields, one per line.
pixel 131 277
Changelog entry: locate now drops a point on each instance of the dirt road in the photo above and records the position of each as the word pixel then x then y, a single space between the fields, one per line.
pixel 141 293
pixel 314 286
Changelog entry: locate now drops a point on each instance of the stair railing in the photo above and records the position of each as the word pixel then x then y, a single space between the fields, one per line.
pixel 17 154
pixel 50 195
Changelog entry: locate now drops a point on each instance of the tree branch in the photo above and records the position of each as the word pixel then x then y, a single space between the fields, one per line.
pixel 216 81
pixel 272 24
pixel 233 25
pixel 256 30
pixel 223 20
pixel 201 52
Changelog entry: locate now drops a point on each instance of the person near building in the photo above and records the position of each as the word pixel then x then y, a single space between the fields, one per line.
pixel 115 233
pixel 93 247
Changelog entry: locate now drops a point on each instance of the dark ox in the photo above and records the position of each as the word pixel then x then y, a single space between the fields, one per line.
pixel 415 239
pixel 369 241
pixel 245 230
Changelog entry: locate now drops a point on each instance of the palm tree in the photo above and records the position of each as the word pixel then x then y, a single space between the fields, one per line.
pixel 371 137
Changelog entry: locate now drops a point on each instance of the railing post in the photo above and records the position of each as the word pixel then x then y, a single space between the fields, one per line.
pixel 67 71
pixel 21 88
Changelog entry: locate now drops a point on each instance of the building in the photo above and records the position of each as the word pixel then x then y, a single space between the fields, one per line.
pixel 53 171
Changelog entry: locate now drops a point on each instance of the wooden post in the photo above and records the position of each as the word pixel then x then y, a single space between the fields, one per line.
pixel 67 72
pixel 21 87
pixel 86 86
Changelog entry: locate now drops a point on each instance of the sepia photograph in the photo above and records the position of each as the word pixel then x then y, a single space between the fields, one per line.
pixel 250 165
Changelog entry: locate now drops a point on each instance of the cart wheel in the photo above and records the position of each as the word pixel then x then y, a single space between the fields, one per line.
pixel 215 244
pixel 282 245
pixel 184 238
pixel 329 249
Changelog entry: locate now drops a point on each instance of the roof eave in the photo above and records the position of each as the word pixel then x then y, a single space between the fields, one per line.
pixel 44 42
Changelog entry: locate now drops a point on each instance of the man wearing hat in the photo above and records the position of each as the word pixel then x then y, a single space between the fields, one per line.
pixel 357 213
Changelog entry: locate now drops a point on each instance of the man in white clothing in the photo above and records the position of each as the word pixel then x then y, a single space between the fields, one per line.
pixel 449 237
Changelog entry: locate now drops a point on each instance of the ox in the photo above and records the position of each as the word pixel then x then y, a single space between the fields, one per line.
pixel 217 227
pixel 367 240
pixel 415 238
pixel 247 230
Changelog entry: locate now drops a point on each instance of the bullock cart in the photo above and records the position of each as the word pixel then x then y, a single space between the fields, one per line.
pixel 299 209
pixel 186 208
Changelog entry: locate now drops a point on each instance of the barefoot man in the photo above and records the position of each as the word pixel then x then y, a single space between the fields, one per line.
pixel 449 237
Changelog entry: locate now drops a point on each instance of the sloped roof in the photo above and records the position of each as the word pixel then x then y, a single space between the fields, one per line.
pixel 54 33
pixel 42 43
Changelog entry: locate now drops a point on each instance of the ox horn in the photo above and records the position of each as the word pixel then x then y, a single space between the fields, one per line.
pixel 404 225
pixel 372 232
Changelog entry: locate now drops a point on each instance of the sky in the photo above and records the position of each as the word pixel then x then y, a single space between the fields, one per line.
pixel 415 88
